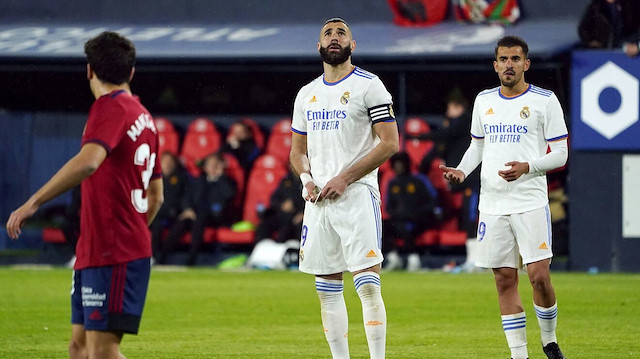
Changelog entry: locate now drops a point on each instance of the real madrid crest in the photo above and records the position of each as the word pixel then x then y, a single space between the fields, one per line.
pixel 301 255
pixel 524 114
pixel 345 98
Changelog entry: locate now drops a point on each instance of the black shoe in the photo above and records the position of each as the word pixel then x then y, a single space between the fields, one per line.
pixel 552 350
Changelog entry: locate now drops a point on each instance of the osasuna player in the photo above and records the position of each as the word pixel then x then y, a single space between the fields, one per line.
pixel 511 128
pixel 343 128
pixel 121 182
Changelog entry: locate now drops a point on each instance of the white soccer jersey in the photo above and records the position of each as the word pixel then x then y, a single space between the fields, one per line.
pixel 515 129
pixel 337 118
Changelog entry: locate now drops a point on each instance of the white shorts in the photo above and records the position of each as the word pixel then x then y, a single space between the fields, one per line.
pixel 511 240
pixel 343 234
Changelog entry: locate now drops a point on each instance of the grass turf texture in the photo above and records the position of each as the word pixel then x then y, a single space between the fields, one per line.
pixel 205 313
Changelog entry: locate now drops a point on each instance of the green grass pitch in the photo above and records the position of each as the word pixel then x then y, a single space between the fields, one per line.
pixel 206 313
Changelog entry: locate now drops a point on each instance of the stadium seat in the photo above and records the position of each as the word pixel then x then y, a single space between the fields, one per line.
pixel 53 235
pixel 453 238
pixel 236 172
pixel 202 138
pixel 415 148
pixel 428 238
pixel 209 236
pixel 279 142
pixel 264 179
pixel 167 135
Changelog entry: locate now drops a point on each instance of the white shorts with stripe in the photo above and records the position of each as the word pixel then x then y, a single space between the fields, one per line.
pixel 511 240
pixel 343 234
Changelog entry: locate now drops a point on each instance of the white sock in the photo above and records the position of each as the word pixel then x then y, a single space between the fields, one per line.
pixel 547 319
pixel 374 313
pixel 334 316
pixel 514 326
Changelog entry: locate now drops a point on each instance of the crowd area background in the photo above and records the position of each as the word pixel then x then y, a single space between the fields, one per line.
pixel 44 99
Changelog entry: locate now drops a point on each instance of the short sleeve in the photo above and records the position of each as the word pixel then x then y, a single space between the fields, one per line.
pixel 476 124
pixel 555 128
pixel 104 126
pixel 378 102
pixel 298 120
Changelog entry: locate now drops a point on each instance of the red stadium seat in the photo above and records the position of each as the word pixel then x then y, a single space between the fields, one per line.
pixel 209 236
pixel 266 174
pixel 415 148
pixel 453 238
pixel 202 138
pixel 236 172
pixel 264 179
pixel 167 135
pixel 53 235
pixel 279 142
pixel 428 238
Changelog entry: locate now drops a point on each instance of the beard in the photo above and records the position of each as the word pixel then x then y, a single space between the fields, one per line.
pixel 333 58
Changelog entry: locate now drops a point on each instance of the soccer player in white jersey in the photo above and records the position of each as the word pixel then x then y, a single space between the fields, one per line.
pixel 512 126
pixel 343 128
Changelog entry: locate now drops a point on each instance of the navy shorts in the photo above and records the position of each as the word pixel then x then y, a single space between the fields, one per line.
pixel 110 298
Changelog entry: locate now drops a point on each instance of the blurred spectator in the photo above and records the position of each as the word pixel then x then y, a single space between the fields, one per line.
pixel 242 145
pixel 452 138
pixel 451 142
pixel 412 209
pixel 611 24
pixel 71 223
pixel 175 183
pixel 208 203
pixel 284 215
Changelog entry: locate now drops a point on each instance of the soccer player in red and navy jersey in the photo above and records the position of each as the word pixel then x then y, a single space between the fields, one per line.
pixel 121 181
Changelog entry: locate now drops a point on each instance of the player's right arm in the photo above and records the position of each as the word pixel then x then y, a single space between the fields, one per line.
pixel 81 166
pixel 298 155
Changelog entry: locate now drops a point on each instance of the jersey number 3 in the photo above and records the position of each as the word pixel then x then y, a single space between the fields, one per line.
pixel 143 155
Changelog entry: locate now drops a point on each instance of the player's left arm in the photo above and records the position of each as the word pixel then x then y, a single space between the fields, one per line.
pixel 155 198
pixel 556 134
pixel 387 131
pixel 81 166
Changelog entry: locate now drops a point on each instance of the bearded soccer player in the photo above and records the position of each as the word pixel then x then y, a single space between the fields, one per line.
pixel 121 183
pixel 511 128
pixel 343 128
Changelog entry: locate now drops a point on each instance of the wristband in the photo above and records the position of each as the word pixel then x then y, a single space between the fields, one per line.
pixel 305 178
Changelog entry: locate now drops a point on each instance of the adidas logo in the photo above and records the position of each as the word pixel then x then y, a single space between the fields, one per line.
pixel 490 112
pixel 373 323
pixel 95 315
pixel 371 254
pixel 543 246
pixel 313 99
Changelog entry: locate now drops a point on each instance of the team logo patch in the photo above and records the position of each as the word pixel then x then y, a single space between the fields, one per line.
pixel 490 112
pixel 313 99
pixel 345 98
pixel 301 255
pixel 524 114
pixel 391 113
pixel 371 254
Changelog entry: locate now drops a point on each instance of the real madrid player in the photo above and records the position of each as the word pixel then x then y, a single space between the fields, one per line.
pixel 511 128
pixel 343 128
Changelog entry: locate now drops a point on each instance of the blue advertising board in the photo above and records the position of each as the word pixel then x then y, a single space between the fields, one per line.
pixel 605 101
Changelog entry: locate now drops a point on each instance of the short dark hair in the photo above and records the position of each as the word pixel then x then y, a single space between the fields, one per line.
pixel 336 19
pixel 511 41
pixel 111 57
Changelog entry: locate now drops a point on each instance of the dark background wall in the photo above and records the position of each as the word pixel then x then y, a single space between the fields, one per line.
pixel 239 11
